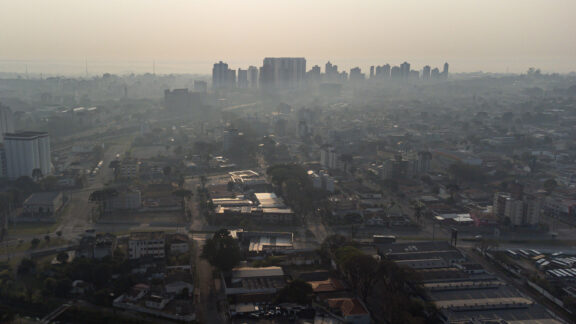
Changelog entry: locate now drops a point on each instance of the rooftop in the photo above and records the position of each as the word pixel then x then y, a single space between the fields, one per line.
pixel 141 236
pixel 42 198
pixel 269 200
pixel 348 306
pixel 25 135
pixel 250 272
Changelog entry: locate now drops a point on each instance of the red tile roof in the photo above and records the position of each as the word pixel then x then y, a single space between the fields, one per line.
pixel 348 306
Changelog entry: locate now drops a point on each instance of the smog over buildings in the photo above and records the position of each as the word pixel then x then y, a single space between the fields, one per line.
pixel 288 161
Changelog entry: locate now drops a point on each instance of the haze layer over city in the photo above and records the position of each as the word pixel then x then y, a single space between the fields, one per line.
pixel 288 161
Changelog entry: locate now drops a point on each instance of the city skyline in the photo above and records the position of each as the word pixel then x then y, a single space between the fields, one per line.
pixel 498 37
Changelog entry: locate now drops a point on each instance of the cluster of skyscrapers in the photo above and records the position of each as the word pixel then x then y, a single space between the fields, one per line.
pixel 283 72
pixel 22 153
pixel 290 72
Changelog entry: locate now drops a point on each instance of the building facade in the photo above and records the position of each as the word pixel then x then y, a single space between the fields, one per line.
pixel 282 72
pixel 146 244
pixel 6 121
pixel 27 152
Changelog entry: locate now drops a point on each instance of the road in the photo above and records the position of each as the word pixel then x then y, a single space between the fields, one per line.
pixel 76 216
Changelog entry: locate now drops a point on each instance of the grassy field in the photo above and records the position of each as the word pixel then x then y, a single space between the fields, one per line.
pixel 24 229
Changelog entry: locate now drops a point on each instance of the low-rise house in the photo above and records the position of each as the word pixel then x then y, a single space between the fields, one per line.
pixel 178 243
pixel 262 243
pixel 157 301
pixel 245 280
pixel 351 310
pixel 42 205
pixel 98 246
pixel 177 287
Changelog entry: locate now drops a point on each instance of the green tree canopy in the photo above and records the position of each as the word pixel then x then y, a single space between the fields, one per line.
pixel 222 251
pixel 296 291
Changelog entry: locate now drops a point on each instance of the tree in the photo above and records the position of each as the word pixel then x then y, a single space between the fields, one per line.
pixel 167 170
pixel 48 286
pixel 183 194
pixel 549 185
pixel 59 233
pixel 62 257
pixel 418 207
pixel 222 251
pixel 296 291
pixel 360 270
pixel 26 266
pixel 452 189
pixel 34 243
pixel 331 244
pixel 203 181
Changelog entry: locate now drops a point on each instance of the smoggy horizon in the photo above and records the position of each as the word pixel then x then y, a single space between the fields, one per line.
pixel 57 37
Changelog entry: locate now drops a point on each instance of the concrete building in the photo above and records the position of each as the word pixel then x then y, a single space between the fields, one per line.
pixel 261 243
pixel 253 74
pixel 129 169
pixel 435 74
pixel 200 86
pixel 519 209
pixel 249 280
pixel 322 180
pixel 146 244
pixel 220 75
pixel 42 205
pixel 178 243
pixel 356 74
pixel 242 79
pixel 315 74
pixel 177 99
pixel 3 171
pixel 395 73
pixel 26 152
pixel 130 199
pixel 230 137
pixel 426 72
pixel 383 72
pixel 97 247
pixel 282 72
pixel 405 70
pixel 328 157
pixel 6 121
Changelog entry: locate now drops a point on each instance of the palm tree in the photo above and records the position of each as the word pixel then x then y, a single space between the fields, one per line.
pixel 418 207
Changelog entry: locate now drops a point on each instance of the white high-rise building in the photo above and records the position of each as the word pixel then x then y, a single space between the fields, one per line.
pixel 25 152
pixel 328 157
pixel 6 121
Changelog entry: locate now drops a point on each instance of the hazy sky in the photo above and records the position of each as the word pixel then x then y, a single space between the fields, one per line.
pixel 489 35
